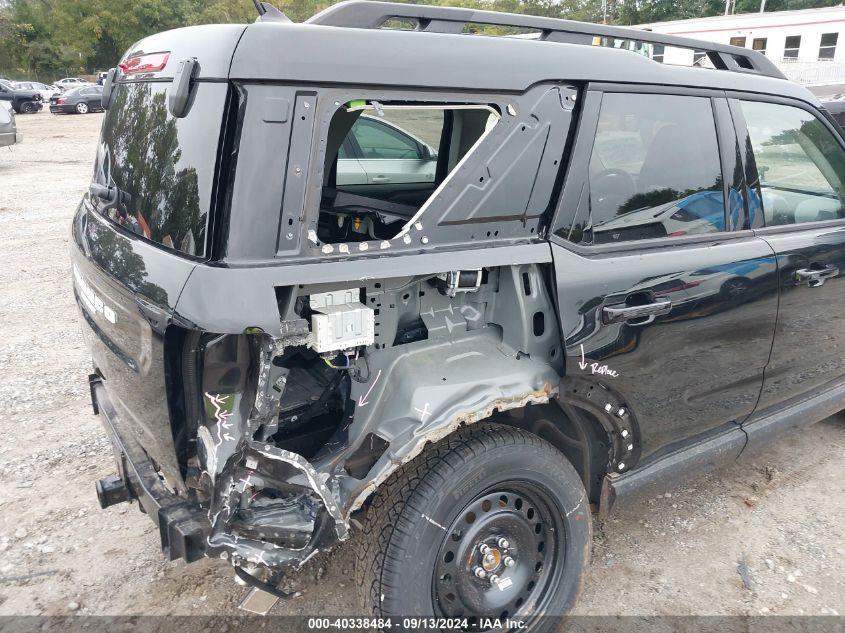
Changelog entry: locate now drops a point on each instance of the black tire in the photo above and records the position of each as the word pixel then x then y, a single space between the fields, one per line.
pixel 420 509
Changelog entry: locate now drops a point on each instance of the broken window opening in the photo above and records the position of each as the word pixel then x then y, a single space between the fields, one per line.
pixel 386 161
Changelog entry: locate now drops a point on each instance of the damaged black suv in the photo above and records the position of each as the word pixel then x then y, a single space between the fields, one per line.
pixel 457 292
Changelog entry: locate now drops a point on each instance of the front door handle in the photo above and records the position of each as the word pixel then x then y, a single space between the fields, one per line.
pixel 815 277
pixel 380 179
pixel 623 312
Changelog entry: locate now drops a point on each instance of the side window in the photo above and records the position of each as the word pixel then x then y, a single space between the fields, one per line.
pixel 654 170
pixel 382 140
pixel 800 163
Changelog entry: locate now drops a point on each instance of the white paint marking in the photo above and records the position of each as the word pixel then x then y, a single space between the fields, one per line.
pixel 433 522
pixel 582 364
pixel 362 400
pixel 424 412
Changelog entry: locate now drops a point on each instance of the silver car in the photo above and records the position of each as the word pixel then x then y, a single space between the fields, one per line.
pixel 378 152
pixel 9 134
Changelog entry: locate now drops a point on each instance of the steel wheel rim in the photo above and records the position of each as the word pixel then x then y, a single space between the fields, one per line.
pixel 82 108
pixel 521 513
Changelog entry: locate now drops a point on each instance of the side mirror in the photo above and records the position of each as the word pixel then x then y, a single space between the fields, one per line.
pixel 108 88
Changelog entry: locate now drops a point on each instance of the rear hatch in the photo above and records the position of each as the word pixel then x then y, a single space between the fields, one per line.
pixel 135 247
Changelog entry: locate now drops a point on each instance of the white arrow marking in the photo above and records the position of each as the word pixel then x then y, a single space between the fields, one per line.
pixel 362 400
pixel 581 363
pixel 228 437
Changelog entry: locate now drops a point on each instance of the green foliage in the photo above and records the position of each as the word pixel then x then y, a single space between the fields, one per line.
pixel 48 39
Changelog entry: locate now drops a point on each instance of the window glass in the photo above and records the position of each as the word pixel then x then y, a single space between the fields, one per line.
pixel 759 44
pixel 738 41
pixel 827 47
pixel 791 47
pixel 379 139
pixel 654 170
pixel 801 165
pixel 161 168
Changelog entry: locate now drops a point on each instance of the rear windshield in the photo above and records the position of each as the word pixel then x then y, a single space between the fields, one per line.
pixel 162 167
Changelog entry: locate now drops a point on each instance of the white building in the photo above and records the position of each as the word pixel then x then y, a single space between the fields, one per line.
pixel 808 45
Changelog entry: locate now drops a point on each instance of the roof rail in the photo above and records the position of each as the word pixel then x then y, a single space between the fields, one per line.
pixel 371 14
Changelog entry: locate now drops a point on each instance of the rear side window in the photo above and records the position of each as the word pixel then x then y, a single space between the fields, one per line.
pixel 654 169
pixel 800 163
pixel 162 167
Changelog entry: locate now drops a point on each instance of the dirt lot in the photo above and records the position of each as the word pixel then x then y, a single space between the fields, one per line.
pixel 778 516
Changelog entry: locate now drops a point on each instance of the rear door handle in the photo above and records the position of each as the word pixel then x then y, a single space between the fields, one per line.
pixel 815 277
pixel 623 312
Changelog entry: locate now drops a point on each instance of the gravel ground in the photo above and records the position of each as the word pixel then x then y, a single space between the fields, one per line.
pixel 764 536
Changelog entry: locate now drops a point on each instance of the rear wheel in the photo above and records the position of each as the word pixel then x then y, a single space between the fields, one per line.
pixel 82 108
pixel 491 523
pixel 27 107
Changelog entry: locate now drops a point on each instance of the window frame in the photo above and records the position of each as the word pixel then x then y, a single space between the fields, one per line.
pixel 797 49
pixel 832 47
pixel 764 40
pixel 751 161
pixel 574 194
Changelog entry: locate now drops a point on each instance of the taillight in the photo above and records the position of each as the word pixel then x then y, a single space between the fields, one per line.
pixel 142 64
pixel 61 100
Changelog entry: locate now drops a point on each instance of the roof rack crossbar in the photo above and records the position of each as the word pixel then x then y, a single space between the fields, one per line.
pixel 371 14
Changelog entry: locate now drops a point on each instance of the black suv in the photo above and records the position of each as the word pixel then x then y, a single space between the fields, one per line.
pixel 455 292
pixel 23 101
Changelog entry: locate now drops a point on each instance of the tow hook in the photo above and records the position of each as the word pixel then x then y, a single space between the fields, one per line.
pixel 112 490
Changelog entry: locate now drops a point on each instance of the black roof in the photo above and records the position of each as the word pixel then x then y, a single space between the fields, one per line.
pixel 345 45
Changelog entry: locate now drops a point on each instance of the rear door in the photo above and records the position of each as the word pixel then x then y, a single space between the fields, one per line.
pixel 798 165
pixel 666 297
pixel 142 228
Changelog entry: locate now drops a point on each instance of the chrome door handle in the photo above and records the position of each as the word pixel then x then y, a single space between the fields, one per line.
pixel 815 277
pixel 380 179
pixel 623 312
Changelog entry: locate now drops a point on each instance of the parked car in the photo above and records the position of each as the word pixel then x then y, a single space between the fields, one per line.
pixel 69 83
pixel 78 101
pixel 44 90
pixel 461 359
pixel 377 151
pixel 23 101
pixel 9 134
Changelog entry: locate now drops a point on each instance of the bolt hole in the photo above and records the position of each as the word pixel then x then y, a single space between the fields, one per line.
pixel 538 527
pixel 406 296
pixel 450 597
pixel 450 556
pixel 504 615
pixel 503 501
pixel 377 285
pixel 519 603
pixel 446 578
pixel 481 179
pixel 486 505
pixel 518 504
pixel 531 585
pixel 457 534
pixel 541 546
pixel 470 517
pixel 530 513
pixel 538 567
